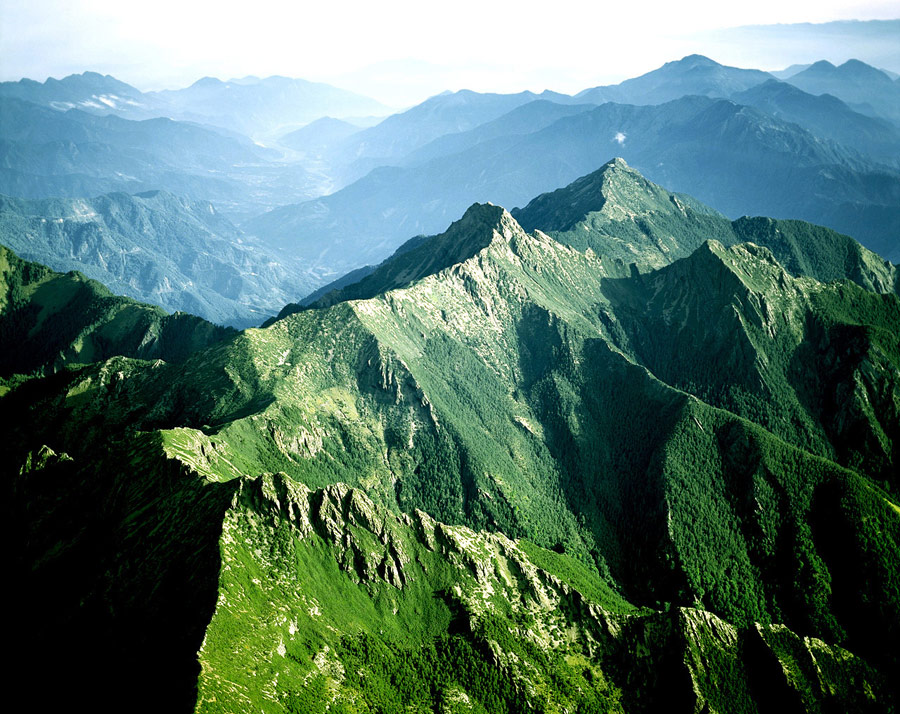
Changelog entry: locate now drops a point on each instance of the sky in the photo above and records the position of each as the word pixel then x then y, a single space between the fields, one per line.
pixel 400 51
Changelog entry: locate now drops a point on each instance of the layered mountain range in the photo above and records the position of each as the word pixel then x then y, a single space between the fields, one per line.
pixel 738 140
pixel 337 192
pixel 610 452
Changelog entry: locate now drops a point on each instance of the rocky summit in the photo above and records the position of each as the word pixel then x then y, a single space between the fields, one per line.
pixel 613 452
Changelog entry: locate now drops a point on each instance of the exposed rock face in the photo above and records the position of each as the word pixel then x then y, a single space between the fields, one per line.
pixel 684 659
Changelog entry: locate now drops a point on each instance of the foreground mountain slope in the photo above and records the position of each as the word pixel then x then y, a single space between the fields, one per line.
pixel 516 398
pixel 156 247
pixel 49 320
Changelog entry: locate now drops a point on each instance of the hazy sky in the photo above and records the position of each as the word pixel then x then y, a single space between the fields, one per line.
pixel 394 50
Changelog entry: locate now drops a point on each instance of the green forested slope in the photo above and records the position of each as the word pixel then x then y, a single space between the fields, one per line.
pixel 508 479
pixel 627 219
pixel 49 320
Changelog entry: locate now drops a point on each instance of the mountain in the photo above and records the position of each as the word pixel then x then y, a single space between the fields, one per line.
pixel 89 92
pixel 736 159
pixel 159 248
pixel 638 226
pixel 47 153
pixel 694 74
pixel 498 478
pixel 827 117
pixel 263 107
pixel 866 89
pixel 251 106
pixel 444 114
pixel 524 119
pixel 50 320
pixel 317 136
pixel 790 71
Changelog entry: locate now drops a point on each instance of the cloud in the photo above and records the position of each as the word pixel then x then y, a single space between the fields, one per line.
pixel 619 137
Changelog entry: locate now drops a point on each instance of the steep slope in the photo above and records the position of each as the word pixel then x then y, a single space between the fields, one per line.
pixel 733 158
pixel 625 219
pixel 156 247
pixel 515 392
pixel 416 259
pixel 820 253
pixel 628 220
pixel 757 337
pixel 49 320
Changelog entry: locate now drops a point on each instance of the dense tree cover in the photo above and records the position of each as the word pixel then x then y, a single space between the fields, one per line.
pixel 713 439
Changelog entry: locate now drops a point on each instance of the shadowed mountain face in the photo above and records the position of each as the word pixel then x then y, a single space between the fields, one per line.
pixel 506 469
pixel 50 320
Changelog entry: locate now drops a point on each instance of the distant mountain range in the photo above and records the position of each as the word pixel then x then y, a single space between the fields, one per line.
pixel 178 254
pixel 694 74
pixel 735 158
pixel 739 140
pixel 864 88
pixel 252 106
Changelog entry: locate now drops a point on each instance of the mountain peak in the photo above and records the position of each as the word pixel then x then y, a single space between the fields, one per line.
pixel 696 60
pixel 204 82
pixel 614 187
pixel 481 225
pixel 753 265
pixel 486 214
pixel 821 66
pixel 856 69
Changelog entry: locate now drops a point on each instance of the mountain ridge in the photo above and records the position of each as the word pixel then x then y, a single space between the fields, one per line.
pixel 515 392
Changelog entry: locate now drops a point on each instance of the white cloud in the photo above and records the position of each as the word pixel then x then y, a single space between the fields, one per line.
pixel 619 138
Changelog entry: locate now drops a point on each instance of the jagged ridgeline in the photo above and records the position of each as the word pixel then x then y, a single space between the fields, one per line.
pixel 639 459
